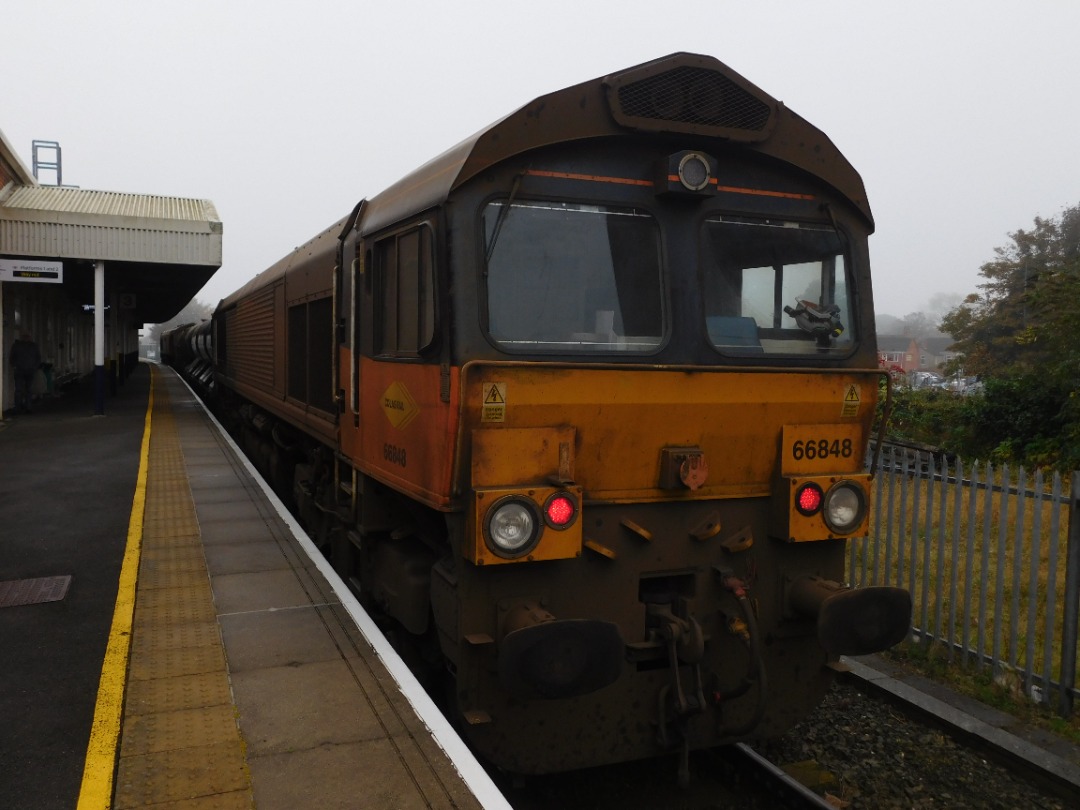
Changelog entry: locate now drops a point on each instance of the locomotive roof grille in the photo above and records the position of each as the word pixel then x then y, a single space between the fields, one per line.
pixel 693 99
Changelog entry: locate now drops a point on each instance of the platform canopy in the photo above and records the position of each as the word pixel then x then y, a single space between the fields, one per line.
pixel 158 251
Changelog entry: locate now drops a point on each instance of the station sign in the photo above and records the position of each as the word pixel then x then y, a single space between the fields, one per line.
pixel 33 271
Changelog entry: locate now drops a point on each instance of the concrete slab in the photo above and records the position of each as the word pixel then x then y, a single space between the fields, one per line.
pixel 237 558
pixel 258 591
pixel 239 530
pixel 235 511
pixel 302 632
pixel 322 778
pixel 296 708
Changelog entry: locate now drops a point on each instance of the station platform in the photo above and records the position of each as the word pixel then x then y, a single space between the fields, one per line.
pixel 172 639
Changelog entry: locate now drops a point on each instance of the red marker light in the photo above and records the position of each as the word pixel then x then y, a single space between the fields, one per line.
pixel 560 511
pixel 808 499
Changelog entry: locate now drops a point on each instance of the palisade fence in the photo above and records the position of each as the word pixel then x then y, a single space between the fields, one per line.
pixel 992 561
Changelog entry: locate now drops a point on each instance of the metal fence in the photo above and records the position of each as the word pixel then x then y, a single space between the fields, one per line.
pixel 991 557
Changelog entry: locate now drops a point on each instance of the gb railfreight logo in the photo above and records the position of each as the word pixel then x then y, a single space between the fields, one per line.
pixel 398 405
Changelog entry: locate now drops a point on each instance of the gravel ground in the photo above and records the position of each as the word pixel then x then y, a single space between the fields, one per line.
pixel 861 752
pixel 880 759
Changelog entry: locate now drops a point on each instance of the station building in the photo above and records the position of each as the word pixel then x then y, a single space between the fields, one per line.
pixel 81 271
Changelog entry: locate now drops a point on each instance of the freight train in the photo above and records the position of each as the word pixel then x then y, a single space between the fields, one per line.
pixel 580 409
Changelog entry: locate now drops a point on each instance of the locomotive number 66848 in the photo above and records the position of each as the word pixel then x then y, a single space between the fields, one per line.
pixel 580 408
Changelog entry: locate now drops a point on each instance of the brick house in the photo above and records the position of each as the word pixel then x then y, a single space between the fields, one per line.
pixel 939 350
pixel 899 351
pixel 928 354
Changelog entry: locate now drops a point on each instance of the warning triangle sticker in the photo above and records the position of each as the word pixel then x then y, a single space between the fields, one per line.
pixel 494 404
pixel 852 394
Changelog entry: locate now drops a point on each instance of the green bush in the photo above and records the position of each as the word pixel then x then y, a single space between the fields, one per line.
pixel 927 416
pixel 1028 419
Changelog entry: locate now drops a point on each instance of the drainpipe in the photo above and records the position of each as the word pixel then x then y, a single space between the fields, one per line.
pixel 99 338
pixel 3 356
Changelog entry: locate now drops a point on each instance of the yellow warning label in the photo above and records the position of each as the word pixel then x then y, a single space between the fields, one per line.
pixel 494 406
pixel 851 402
pixel 398 405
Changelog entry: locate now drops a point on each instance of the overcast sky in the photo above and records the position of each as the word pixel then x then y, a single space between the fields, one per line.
pixel 961 116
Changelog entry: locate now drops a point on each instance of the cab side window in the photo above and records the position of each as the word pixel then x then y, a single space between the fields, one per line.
pixel 405 302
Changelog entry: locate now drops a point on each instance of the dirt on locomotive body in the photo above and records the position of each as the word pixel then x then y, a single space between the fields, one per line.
pixel 580 409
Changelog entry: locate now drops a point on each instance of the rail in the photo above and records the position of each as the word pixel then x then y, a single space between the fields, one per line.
pixel 992 561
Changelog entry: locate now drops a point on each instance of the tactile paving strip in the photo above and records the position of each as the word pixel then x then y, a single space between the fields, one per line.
pixel 180 745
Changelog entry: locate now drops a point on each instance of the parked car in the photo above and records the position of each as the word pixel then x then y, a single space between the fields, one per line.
pixel 925 379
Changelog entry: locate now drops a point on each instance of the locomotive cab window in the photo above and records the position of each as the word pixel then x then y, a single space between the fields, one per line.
pixel 569 277
pixel 773 287
pixel 405 270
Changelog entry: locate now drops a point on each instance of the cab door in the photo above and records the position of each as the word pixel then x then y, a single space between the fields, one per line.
pixel 349 332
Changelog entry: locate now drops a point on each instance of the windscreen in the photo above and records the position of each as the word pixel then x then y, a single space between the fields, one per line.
pixel 774 287
pixel 570 277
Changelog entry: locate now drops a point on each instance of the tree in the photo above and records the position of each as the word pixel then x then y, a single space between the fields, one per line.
pixel 918 325
pixel 942 302
pixel 1019 334
pixel 1018 323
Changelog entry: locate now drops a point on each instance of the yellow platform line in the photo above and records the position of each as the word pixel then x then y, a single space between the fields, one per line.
pixel 97 781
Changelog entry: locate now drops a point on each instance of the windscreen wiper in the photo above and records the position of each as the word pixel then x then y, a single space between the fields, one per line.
pixel 501 218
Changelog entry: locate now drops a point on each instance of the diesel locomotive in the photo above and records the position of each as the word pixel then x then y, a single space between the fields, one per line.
pixel 580 409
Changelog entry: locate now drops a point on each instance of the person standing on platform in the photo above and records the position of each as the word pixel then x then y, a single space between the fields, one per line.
pixel 25 362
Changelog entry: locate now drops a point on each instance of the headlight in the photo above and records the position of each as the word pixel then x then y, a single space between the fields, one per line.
pixel 845 507
pixel 512 527
pixel 694 171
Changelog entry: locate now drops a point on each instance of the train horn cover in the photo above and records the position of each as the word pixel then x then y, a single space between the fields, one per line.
pixel 694 95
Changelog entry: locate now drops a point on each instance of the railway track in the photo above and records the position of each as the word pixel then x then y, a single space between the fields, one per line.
pixel 778 785
pixel 860 750
pixel 735 776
